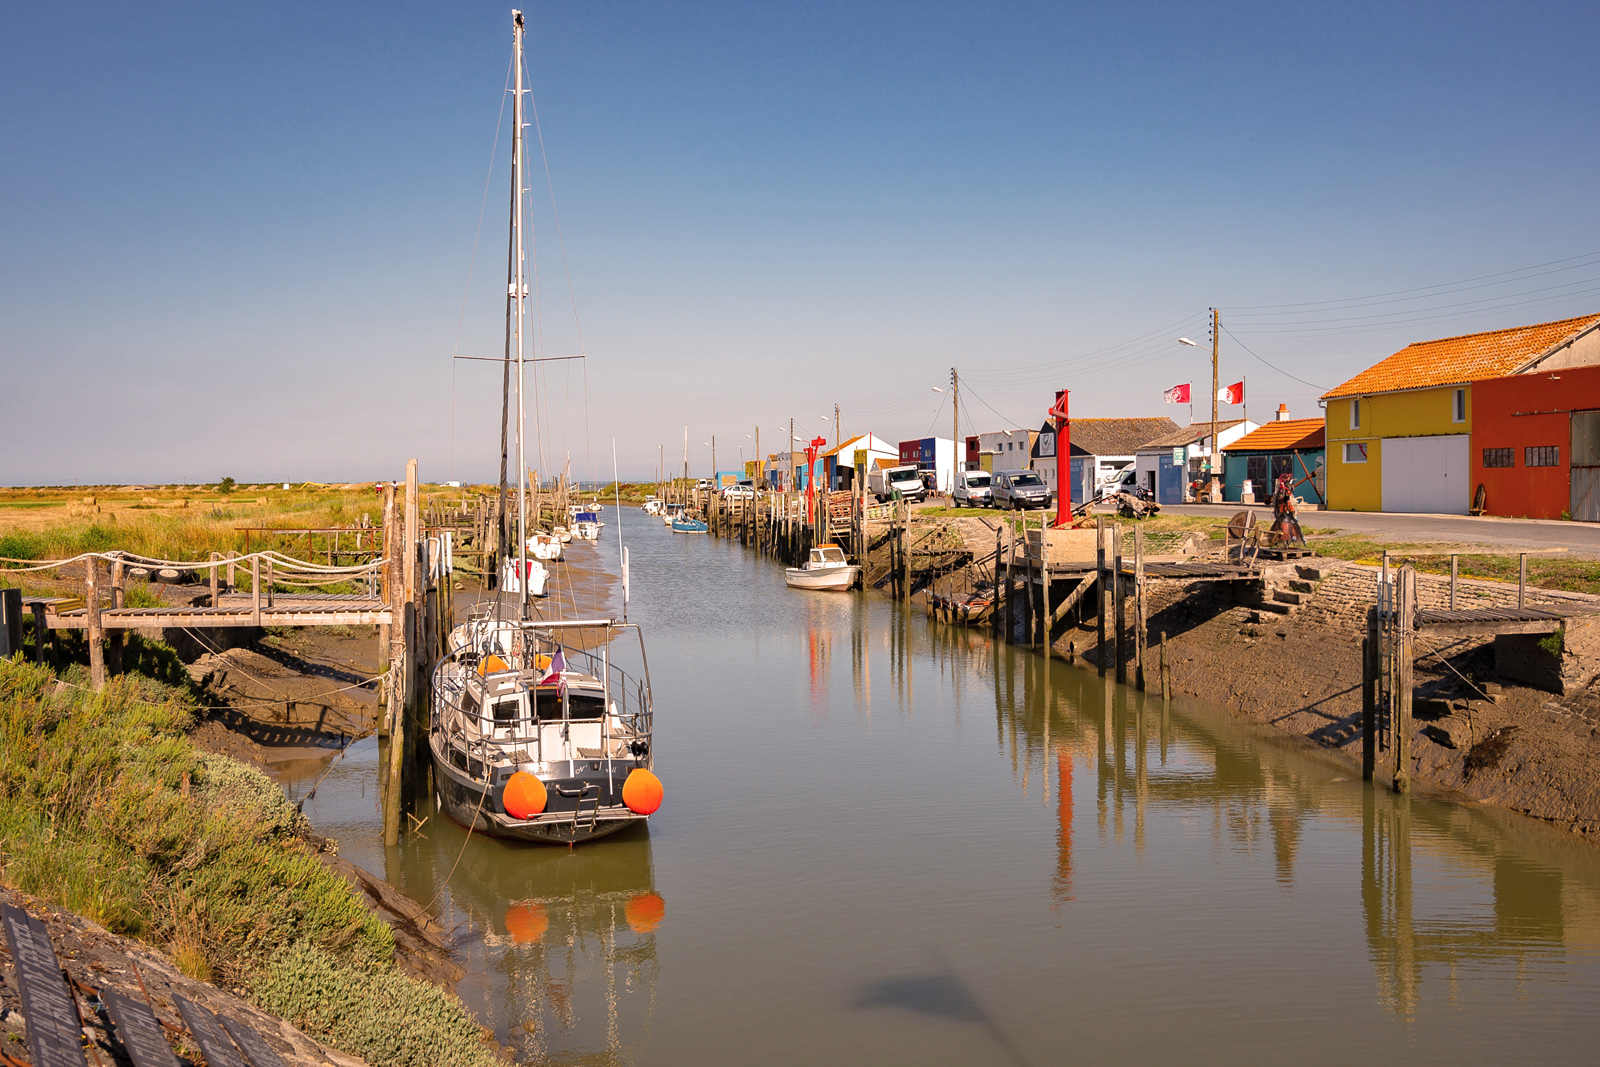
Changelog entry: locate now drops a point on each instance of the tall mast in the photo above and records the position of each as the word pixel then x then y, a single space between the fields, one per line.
pixel 519 294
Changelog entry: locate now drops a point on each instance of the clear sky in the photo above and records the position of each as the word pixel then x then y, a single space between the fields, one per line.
pixel 237 238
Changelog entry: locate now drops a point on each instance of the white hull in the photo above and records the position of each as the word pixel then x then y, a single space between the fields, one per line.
pixel 537 576
pixel 546 547
pixel 839 578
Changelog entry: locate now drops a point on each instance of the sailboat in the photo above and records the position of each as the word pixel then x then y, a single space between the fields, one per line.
pixel 536 732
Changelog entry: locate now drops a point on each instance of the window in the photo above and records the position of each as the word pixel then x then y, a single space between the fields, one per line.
pixel 1355 424
pixel 1499 457
pixel 1541 456
pixel 1458 410
pixel 1355 452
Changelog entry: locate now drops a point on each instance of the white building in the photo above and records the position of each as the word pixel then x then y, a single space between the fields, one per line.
pixel 1169 463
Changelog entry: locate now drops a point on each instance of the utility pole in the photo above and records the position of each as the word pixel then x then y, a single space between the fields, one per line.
pixel 713 461
pixel 955 423
pixel 685 496
pixel 761 471
pixel 1215 340
pixel 836 437
pixel 789 448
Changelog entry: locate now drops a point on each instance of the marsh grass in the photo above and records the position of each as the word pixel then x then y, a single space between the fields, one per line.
pixel 1544 571
pixel 108 809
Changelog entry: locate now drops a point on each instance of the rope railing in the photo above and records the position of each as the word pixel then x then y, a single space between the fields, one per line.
pixel 288 564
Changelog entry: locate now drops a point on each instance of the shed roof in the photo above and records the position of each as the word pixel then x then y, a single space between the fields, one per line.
pixel 1290 435
pixel 1459 360
pixel 1117 437
pixel 1188 435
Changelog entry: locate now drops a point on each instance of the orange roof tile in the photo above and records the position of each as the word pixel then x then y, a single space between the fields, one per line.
pixel 1458 360
pixel 1280 437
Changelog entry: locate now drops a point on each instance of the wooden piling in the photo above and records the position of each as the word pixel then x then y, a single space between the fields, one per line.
pixel 94 632
pixel 994 614
pixel 255 590
pixel 10 622
pixel 1138 607
pixel 1404 647
pixel 42 637
pixel 1044 590
pixel 1452 581
pixel 1166 669
pixel 1522 579
pixel 117 638
pixel 1369 697
pixel 1103 594
pixel 1117 593
pixel 214 577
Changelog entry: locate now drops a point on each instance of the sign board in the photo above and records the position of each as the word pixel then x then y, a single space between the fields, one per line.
pixel 140 1032
pixel 256 1049
pixel 860 459
pixel 752 469
pixel 214 1045
pixel 53 1032
pixel 1177 455
pixel 1047 444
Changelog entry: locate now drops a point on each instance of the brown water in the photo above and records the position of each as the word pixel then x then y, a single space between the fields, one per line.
pixel 886 841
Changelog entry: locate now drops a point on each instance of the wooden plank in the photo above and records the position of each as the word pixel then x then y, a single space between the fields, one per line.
pixel 53 1027
pixel 1485 628
pixel 139 1030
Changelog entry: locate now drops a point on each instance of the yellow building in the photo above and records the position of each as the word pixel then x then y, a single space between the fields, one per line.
pixel 1399 433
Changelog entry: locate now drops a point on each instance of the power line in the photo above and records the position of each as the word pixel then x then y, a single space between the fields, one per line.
pixel 1280 370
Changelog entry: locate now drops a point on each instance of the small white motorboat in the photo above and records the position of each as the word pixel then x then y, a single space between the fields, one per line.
pixel 543 546
pixel 563 535
pixel 653 506
pixel 826 569
pixel 586 525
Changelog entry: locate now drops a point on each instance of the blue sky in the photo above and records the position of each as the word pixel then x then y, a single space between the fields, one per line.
pixel 237 239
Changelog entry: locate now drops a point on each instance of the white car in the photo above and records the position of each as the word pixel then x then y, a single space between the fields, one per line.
pixel 739 492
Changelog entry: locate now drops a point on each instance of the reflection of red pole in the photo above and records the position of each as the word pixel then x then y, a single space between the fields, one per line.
pixel 1063 878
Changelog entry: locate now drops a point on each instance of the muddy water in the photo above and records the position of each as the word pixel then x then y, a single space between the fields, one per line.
pixel 886 841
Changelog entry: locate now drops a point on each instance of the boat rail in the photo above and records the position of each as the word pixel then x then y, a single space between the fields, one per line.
pixel 627 712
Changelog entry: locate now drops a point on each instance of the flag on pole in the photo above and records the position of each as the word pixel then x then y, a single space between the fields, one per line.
pixel 558 663
pixel 1178 394
pixel 1231 394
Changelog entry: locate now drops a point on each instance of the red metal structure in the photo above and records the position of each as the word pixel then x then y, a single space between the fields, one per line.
pixel 1063 458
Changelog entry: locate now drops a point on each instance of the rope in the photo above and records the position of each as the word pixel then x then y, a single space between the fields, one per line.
pixel 291 565
pixel 464 842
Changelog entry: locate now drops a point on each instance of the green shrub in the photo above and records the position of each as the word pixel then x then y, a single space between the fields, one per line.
pixel 21 546
pixel 387 1018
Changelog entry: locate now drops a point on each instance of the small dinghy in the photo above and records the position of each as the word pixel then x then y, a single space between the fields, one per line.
pixel 683 525
pixel 543 546
pixel 826 569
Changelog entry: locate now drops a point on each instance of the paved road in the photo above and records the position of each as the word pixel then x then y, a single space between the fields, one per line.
pixel 1580 538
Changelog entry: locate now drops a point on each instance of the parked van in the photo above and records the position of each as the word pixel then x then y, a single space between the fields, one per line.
pixel 884 481
pixel 1020 489
pixel 972 489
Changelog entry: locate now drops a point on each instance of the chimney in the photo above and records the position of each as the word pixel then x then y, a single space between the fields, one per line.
pixel 1283 413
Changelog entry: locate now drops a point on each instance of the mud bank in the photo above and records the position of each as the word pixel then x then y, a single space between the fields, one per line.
pixel 1296 666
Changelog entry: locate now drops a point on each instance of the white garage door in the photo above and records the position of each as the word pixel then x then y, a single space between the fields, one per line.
pixel 1426 474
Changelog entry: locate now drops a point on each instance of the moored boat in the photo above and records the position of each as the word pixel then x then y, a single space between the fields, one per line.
pixel 536 739
pixel 683 524
pixel 826 569
pixel 545 547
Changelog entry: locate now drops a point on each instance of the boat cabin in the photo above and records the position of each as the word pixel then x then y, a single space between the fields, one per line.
pixel 828 556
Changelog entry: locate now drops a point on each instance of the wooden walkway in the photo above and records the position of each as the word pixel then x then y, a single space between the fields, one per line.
pixel 232 609
pixel 1183 572
pixel 1500 620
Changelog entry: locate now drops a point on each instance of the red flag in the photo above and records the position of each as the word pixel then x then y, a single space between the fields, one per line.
pixel 1232 394
pixel 1178 394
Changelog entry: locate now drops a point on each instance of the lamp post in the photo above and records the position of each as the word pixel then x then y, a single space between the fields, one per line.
pixel 1211 460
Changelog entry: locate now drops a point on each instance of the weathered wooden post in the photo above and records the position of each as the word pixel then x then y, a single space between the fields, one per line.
pixel 1102 593
pixel 1166 670
pixel 385 629
pixel 1453 581
pixel 42 635
pixel 1138 607
pixel 214 575
pixel 400 714
pixel 10 622
pixel 1122 611
pixel 1369 697
pixel 255 591
pixel 905 548
pixel 1044 589
pixel 994 613
pixel 1522 579
pixel 115 639
pixel 93 631
pixel 271 581
pixel 1403 680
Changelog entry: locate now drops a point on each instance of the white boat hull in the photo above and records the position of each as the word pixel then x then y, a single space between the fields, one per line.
pixel 831 578
pixel 537 577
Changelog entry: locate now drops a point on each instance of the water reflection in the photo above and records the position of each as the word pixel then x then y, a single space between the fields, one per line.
pixel 1445 891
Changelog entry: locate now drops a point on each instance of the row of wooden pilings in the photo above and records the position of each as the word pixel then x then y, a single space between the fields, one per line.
pixel 417 585
pixel 1026 586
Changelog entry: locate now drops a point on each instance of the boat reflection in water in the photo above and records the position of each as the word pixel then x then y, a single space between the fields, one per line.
pixel 563 943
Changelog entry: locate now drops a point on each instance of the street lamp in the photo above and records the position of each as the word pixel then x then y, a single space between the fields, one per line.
pixel 1211 459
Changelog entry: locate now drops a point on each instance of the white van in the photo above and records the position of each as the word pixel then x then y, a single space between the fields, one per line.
pixel 884 481
pixel 972 489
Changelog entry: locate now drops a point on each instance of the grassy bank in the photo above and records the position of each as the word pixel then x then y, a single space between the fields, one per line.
pixel 107 808
pixel 1546 571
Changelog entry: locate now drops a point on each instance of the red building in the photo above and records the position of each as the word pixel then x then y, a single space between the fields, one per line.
pixel 1536 444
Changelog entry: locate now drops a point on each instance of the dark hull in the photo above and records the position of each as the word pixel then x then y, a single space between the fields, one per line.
pixel 567 820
